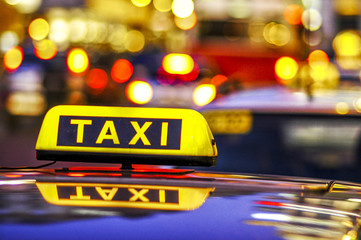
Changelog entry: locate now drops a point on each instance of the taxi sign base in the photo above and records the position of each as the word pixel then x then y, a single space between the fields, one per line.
pixel 126 159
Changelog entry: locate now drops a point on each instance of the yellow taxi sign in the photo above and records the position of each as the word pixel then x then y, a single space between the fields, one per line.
pixel 123 195
pixel 156 136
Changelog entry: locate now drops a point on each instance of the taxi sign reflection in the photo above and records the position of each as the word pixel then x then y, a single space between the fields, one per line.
pixel 124 195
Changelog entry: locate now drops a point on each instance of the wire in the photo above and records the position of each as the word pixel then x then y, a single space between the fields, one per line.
pixel 28 167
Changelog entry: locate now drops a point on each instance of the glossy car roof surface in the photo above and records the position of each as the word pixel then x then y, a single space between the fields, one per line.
pixel 237 206
pixel 282 99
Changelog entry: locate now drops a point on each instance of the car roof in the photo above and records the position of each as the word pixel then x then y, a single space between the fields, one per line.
pixel 283 99
pixel 237 206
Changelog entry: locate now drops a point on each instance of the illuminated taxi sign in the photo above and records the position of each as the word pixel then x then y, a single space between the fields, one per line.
pixel 126 135
pixel 123 195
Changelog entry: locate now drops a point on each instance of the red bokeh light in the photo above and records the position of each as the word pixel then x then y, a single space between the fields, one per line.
pixel 97 79
pixel 122 71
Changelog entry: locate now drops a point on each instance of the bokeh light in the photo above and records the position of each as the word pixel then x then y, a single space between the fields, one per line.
pixel 39 29
pixel 357 104
pixel 13 58
pixel 239 9
pixel 116 37
pixel 141 3
pixel 186 23
pixel 342 108
pixel 182 8
pixel 78 29
pixel 293 14
pixel 139 92
pixel 134 41
pixel 59 30
pixel 286 69
pixel 97 79
pixel 347 7
pixel 8 40
pixel 347 44
pixel 178 63
pixel 319 77
pixel 45 49
pixel 122 70
pixel 318 59
pixel 26 103
pixel 77 61
pixel 26 6
pixel 276 34
pixel 204 94
pixel 162 5
pixel 312 19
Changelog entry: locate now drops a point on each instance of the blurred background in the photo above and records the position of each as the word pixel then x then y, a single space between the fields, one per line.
pixel 164 53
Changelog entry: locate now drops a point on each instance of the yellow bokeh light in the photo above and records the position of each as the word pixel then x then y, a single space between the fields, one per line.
pixel 39 29
pixel 177 63
pixel 277 34
pixel 318 74
pixel 186 23
pixel 204 94
pixel 286 68
pixel 13 58
pixel 139 92
pixel 319 78
pixel 141 3
pixel 77 61
pixel 347 44
pixel 347 7
pixel 182 8
pixel 134 41
pixel 342 108
pixel 162 5
pixel 45 49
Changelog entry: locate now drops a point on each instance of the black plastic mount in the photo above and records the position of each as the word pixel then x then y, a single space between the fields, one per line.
pixel 125 159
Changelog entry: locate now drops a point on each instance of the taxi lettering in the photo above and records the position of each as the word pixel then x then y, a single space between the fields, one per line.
pixel 118 194
pixel 119 132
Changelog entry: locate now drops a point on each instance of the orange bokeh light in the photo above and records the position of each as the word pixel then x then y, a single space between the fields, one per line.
pixel 293 14
pixel 318 58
